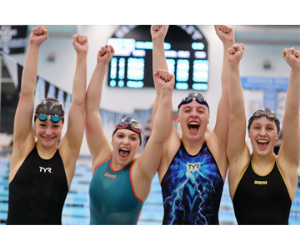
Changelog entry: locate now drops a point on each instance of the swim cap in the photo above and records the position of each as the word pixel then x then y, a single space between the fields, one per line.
pixel 264 112
pixel 130 124
pixel 50 106
pixel 189 98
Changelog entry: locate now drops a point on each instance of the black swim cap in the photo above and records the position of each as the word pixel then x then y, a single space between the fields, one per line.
pixel 130 124
pixel 264 112
pixel 50 106
pixel 189 98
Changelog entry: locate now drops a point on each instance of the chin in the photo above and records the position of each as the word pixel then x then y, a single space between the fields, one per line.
pixel 48 143
pixel 263 152
pixel 196 137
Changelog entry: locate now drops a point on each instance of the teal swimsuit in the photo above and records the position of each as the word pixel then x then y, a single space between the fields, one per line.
pixel 112 197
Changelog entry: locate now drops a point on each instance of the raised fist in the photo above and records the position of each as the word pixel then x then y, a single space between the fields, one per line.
pixel 235 54
pixel 38 35
pixel 292 57
pixel 164 79
pixel 105 54
pixel 80 44
pixel 225 33
pixel 158 32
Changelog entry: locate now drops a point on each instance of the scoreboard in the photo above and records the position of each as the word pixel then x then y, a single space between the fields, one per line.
pixel 186 51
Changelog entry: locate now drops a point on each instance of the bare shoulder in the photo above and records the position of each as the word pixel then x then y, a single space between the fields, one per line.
pixel 171 147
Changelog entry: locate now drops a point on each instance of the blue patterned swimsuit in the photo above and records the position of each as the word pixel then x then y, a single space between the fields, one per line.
pixel 192 188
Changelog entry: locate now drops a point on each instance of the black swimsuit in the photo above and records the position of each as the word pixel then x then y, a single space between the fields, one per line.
pixel 262 200
pixel 38 191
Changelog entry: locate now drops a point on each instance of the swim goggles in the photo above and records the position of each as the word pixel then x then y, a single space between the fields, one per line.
pixel 53 118
pixel 134 125
pixel 269 115
pixel 199 98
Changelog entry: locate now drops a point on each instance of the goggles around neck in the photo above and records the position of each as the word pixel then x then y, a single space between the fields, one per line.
pixel 199 98
pixel 134 125
pixel 53 118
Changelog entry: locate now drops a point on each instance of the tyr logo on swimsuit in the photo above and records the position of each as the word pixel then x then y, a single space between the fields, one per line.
pixel 45 169
pixel 193 166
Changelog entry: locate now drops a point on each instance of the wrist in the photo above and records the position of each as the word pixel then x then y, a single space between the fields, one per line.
pixel 234 65
pixel 165 91
pixel 295 70
pixel 33 44
pixel 228 43
pixel 101 65
pixel 157 41
pixel 158 91
pixel 81 54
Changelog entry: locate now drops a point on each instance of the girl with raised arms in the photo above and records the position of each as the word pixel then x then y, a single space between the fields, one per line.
pixel 262 186
pixel 121 183
pixel 40 171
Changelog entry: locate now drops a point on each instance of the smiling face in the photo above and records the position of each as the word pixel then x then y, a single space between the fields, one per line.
pixel 263 135
pixel 47 132
pixel 193 118
pixel 125 145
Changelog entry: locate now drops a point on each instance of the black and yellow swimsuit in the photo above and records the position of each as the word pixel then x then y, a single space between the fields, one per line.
pixel 262 199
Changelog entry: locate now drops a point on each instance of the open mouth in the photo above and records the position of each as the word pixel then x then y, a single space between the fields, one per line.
pixel 193 126
pixel 262 144
pixel 124 152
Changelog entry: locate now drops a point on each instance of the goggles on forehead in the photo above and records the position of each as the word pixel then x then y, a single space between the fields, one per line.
pixel 199 98
pixel 269 115
pixel 134 125
pixel 53 118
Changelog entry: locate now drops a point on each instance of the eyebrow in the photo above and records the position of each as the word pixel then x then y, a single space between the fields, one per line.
pixel 268 124
pixel 121 133
pixel 198 107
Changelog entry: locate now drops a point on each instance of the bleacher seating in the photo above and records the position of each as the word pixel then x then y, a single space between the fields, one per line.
pixel 76 208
